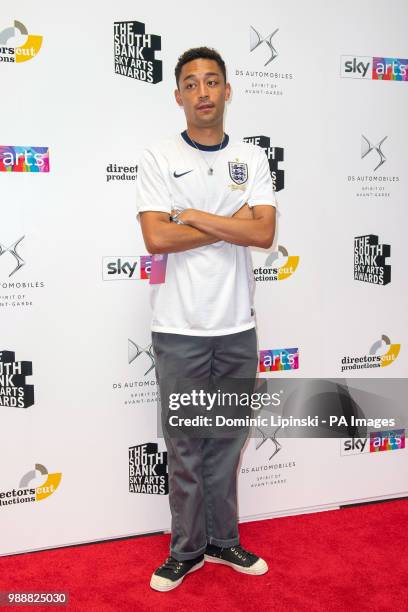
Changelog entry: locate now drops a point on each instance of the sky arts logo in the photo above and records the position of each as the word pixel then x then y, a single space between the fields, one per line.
pixel 135 52
pixel 274 155
pixel 374 68
pixel 29 489
pixel 278 266
pixel 377 442
pixel 354 446
pixel 24 159
pixel 148 469
pixel 17 45
pixel 381 354
pixel 275 360
pixel 14 391
pixel 126 267
pixel 387 440
pixel 369 260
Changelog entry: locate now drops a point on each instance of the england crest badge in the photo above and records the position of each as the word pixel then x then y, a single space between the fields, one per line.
pixel 238 172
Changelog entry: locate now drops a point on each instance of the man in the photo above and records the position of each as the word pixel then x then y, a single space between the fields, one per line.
pixel 201 202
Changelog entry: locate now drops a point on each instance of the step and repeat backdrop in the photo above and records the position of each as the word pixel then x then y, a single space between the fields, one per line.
pixel 85 88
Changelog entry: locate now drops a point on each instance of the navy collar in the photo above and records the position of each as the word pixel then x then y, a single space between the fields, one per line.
pixel 202 147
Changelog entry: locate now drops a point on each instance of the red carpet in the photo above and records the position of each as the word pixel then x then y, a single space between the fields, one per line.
pixel 350 559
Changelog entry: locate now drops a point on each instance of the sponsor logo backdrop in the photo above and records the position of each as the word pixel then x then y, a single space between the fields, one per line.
pixel 78 394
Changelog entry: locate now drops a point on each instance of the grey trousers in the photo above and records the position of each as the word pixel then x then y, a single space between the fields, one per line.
pixel 203 471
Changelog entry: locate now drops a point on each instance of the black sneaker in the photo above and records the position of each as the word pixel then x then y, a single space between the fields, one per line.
pixel 238 558
pixel 169 575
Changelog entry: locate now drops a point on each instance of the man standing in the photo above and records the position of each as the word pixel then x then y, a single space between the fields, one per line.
pixel 201 202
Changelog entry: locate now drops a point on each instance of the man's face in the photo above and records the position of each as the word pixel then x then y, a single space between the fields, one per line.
pixel 202 93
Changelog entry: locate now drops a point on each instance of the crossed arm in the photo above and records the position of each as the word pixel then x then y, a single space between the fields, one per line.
pixel 247 227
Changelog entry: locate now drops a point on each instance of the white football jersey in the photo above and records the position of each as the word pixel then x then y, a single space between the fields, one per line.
pixel 208 291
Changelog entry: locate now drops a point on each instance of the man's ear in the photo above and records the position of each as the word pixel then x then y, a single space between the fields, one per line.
pixel 227 92
pixel 178 97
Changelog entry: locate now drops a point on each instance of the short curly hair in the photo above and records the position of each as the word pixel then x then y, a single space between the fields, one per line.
pixel 199 53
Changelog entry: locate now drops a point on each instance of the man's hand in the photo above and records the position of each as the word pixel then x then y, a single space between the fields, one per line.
pixel 241 229
pixel 187 216
pixel 162 236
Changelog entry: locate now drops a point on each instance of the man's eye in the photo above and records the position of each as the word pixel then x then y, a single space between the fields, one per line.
pixel 190 86
pixel 212 83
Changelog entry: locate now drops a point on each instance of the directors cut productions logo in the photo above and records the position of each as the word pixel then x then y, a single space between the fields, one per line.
pixel 369 260
pixel 374 68
pixel 368 177
pixel 29 491
pixel 276 360
pixel 135 52
pixel 14 390
pixel 379 441
pixel 274 155
pixel 278 266
pixel 115 173
pixel 126 267
pixel 148 472
pixel 381 354
pixel 264 52
pixel 17 45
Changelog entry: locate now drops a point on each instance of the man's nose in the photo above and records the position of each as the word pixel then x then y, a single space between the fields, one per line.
pixel 203 90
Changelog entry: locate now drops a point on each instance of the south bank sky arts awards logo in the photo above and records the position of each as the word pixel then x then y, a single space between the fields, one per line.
pixel 274 155
pixel 148 472
pixel 17 45
pixel 369 260
pixel 135 52
pixel 382 353
pixel 265 72
pixel 30 489
pixel 15 392
pixel 368 176
pixel 374 68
